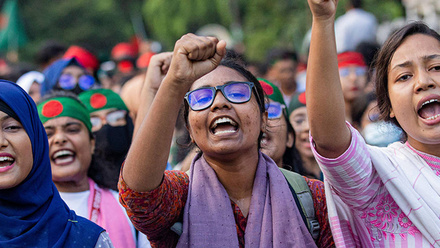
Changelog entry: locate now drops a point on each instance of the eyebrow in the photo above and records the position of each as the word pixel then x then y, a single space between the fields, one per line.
pixel 65 125
pixel 5 117
pixel 424 58
pixel 431 57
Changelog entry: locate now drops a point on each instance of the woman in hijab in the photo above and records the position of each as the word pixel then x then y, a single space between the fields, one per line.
pixel 66 75
pixel 32 213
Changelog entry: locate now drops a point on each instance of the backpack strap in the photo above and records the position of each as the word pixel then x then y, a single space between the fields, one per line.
pixel 302 195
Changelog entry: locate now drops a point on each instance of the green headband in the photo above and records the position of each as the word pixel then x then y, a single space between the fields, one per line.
pixel 99 99
pixel 272 91
pixel 298 100
pixel 64 107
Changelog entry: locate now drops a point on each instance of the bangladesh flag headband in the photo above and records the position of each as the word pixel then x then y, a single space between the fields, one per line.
pixel 64 107
pixel 98 99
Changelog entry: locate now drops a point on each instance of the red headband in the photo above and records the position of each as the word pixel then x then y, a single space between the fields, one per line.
pixel 84 57
pixel 350 59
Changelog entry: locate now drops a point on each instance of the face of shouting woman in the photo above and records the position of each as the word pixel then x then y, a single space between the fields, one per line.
pixel 225 130
pixel 70 149
pixel 15 152
pixel 414 91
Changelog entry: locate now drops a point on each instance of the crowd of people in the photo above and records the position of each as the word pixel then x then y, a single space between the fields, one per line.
pixel 200 148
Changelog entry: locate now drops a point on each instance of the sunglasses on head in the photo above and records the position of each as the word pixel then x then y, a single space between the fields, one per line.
pixel 275 110
pixel 68 82
pixel 234 92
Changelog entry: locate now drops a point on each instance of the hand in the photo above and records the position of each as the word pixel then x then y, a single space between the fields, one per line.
pixel 195 56
pixel 323 9
pixel 157 69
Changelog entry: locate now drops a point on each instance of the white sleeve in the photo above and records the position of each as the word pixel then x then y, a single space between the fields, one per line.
pixel 104 241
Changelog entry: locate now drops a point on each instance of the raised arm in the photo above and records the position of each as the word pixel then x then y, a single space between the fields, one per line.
pixel 157 69
pixel 325 102
pixel 193 57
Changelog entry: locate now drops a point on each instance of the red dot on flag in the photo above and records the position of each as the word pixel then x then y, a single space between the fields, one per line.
pixel 52 108
pixel 98 100
pixel 302 98
pixel 267 88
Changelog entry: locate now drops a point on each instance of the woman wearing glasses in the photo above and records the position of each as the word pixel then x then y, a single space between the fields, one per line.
pixel 112 128
pixel 66 75
pixel 233 195
pixel 279 144
pixel 353 74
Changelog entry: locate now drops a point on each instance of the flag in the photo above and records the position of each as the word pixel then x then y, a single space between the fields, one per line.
pixel 12 34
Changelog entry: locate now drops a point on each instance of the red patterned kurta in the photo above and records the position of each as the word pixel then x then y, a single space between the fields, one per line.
pixel 154 212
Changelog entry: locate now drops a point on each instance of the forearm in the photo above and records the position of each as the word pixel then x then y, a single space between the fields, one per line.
pixel 148 154
pixel 325 101
pixel 147 97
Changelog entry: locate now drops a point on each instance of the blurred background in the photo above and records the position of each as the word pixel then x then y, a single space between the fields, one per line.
pixel 250 26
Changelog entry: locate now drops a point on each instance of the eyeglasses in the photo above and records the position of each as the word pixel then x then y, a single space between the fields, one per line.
pixel 275 110
pixel 234 92
pixel 359 71
pixel 68 82
pixel 115 118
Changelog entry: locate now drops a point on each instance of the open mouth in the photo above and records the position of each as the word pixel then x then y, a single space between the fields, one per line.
pixel 6 161
pixel 430 110
pixel 224 125
pixel 63 156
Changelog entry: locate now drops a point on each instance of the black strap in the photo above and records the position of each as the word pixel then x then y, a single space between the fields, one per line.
pixel 298 204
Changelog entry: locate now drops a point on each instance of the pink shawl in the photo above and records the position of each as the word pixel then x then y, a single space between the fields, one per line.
pixel 273 220
pixel 104 210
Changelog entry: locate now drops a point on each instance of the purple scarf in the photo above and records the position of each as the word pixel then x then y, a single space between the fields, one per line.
pixel 273 220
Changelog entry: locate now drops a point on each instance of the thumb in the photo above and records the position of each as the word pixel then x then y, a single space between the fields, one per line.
pixel 220 52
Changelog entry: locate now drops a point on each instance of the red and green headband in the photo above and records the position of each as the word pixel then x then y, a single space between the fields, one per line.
pixel 271 91
pixel 298 100
pixel 64 107
pixel 346 59
pixel 99 99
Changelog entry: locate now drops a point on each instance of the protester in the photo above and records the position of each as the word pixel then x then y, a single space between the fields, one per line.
pixel 353 76
pixel 299 119
pixel 366 120
pixel 379 197
pixel 66 75
pixel 112 128
pixel 233 195
pixel 281 70
pixel 278 143
pixel 32 214
pixel 354 27
pixel 71 146
pixel 31 83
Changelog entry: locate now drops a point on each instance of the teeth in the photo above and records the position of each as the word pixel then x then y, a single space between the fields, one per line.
pixel 62 153
pixel 429 101
pixel 433 117
pixel 3 159
pixel 226 131
pixel 223 120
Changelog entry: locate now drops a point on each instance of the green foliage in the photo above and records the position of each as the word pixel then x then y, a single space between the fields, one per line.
pixel 265 24
pixel 99 25
pixel 168 20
